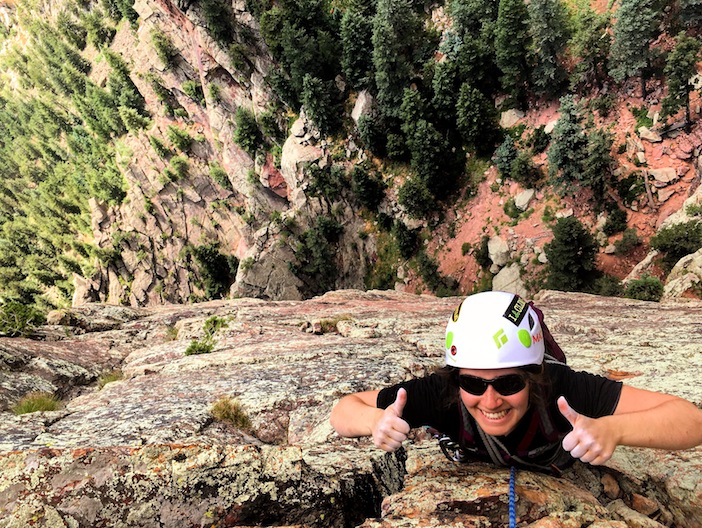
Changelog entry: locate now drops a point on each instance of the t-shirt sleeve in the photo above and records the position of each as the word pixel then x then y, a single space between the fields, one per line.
pixel 427 403
pixel 588 394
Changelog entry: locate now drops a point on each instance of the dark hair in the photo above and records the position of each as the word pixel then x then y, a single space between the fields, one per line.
pixel 538 382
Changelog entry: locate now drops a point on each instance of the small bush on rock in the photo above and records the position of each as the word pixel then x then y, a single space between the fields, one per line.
pixel 227 409
pixel 36 402
pixel 646 288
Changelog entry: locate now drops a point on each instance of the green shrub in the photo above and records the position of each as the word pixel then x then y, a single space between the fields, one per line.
pixel 179 137
pixel 465 248
pixel 213 325
pixel 218 174
pixel 428 269
pixel 227 409
pixel 109 377
pixel 179 166
pixel 193 90
pixel 631 187
pixel 17 319
pixel 511 209
pixel 608 286
pixel 159 147
pixel 247 134
pixel 482 255
pixel 616 222
pixel 165 50
pixel 678 241
pixel 216 269
pixel 406 239
pixel 539 140
pixel 628 242
pixel 369 189
pixel 203 346
pixel 646 288
pixel 36 402
pixel 505 154
pixel 571 256
pixel 416 198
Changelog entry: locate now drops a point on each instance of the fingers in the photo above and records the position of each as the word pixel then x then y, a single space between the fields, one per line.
pixel 567 411
pixel 590 441
pixel 398 406
pixel 391 430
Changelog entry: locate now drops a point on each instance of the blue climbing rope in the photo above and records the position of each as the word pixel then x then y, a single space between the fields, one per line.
pixel 512 498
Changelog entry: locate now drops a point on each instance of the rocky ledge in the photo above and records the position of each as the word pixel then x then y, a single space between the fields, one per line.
pixel 146 451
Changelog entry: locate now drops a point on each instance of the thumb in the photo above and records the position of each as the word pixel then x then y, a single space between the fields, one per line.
pixel 567 410
pixel 399 406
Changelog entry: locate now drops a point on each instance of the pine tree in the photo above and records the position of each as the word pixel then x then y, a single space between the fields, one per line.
pixel 568 146
pixel 318 98
pixel 548 21
pixel 634 30
pixel 571 256
pixel 591 43
pixel 356 62
pixel 680 67
pixel 395 30
pixel 511 45
pixel 598 163
pixel 476 119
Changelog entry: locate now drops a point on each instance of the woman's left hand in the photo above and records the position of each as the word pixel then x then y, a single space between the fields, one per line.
pixel 591 439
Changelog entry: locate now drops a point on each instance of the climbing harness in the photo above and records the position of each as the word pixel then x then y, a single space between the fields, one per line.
pixel 512 498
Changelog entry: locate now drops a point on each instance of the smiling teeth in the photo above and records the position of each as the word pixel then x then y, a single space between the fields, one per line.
pixel 495 416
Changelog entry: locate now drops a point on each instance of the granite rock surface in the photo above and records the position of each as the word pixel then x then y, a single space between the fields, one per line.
pixel 146 451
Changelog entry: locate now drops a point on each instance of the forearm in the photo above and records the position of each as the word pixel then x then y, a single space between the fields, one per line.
pixel 674 424
pixel 354 416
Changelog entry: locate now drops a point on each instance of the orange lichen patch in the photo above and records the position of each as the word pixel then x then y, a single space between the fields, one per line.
pixel 621 374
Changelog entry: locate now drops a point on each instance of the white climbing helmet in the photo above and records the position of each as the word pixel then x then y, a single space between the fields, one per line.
pixel 492 330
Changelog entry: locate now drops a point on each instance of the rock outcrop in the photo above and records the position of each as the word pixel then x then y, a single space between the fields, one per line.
pixel 146 451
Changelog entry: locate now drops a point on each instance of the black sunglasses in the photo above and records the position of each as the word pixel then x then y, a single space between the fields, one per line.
pixel 505 385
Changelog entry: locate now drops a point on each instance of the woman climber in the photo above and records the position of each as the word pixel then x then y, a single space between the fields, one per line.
pixel 506 396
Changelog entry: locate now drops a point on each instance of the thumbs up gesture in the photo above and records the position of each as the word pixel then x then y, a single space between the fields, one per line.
pixel 591 440
pixel 390 430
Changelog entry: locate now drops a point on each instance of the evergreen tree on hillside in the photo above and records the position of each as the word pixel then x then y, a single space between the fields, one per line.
pixel 548 21
pixel 680 67
pixel 356 61
pixel 511 44
pixel 635 28
pixel 571 256
pixel 568 147
pixel 396 27
pixel 475 24
pixel 598 163
pixel 477 120
pixel 691 12
pixel 591 43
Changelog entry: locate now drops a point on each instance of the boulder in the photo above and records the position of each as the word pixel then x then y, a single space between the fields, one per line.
pixel 147 450
pixel 649 135
pixel 523 199
pixel 363 106
pixel 498 251
pixel 685 275
pixel 509 279
pixel 510 118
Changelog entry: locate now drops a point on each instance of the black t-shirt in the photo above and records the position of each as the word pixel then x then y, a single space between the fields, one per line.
pixel 429 404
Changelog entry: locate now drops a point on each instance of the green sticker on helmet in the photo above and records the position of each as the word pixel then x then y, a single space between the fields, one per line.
pixel 525 337
pixel 449 339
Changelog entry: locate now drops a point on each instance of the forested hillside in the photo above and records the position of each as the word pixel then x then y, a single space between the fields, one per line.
pixel 168 152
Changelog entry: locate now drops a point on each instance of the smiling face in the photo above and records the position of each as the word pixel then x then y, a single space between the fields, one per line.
pixel 496 414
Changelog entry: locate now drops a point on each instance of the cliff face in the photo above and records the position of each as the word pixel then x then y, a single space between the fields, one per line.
pixel 161 218
pixel 177 226
pixel 147 450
